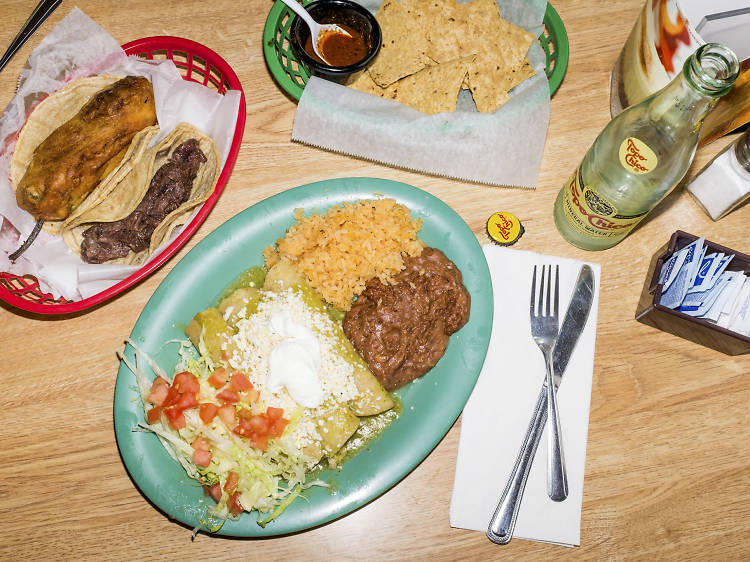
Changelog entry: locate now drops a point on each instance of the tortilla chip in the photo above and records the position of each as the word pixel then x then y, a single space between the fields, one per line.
pixel 434 89
pixel 509 41
pixel 120 193
pixel 422 35
pixel 446 24
pixel 490 79
pixel 403 52
pixel 363 82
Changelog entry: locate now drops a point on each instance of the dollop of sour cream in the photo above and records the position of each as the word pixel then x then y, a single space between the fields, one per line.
pixel 294 362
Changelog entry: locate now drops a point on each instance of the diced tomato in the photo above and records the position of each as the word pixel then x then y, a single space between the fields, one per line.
pixel 259 441
pixel 199 443
pixel 186 383
pixel 242 431
pixel 154 414
pixel 208 412
pixel 232 480
pixel 176 418
pixel 260 424
pixel 173 396
pixel 228 396
pixel 214 490
pixel 274 413
pixel 159 390
pixel 234 505
pixel 226 414
pixel 202 458
pixel 240 382
pixel 218 378
pixel 186 402
pixel 277 429
pixel 251 396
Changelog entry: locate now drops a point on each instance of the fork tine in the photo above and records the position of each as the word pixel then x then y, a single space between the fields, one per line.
pixel 533 291
pixel 549 289
pixel 540 310
pixel 557 290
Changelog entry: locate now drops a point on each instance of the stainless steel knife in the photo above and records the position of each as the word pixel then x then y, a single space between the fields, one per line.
pixel 500 529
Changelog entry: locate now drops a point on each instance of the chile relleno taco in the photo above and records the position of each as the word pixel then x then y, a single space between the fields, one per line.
pixel 74 139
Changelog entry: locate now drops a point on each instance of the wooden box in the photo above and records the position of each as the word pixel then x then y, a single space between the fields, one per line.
pixel 697 330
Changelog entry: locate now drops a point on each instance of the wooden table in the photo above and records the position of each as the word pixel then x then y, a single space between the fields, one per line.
pixel 667 471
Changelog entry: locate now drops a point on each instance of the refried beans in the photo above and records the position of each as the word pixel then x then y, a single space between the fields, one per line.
pixel 402 329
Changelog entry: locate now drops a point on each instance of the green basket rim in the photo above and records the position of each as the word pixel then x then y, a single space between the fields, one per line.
pixel 288 77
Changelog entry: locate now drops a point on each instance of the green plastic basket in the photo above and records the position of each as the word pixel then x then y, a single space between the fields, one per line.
pixel 291 75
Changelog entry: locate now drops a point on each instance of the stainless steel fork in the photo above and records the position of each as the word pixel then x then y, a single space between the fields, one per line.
pixel 544 329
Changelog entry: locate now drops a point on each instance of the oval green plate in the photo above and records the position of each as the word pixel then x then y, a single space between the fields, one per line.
pixel 292 76
pixel 430 405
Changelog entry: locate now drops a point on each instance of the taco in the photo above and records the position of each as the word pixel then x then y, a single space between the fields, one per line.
pixel 74 139
pixel 156 189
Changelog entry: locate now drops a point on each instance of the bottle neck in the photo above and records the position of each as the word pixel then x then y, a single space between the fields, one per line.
pixel 708 74
pixel 681 107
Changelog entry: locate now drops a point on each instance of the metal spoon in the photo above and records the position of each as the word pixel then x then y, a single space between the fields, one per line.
pixel 316 30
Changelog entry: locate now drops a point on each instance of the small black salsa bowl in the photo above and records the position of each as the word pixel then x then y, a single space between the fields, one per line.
pixel 340 12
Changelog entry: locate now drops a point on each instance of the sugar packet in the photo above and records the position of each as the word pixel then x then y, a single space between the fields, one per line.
pixel 699 284
pixel 726 299
pixel 677 283
pixel 739 320
pixel 698 303
pixel 711 268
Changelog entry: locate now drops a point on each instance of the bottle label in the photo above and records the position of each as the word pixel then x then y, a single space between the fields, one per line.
pixel 593 215
pixel 636 156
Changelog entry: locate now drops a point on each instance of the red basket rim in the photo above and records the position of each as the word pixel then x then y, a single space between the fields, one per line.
pixel 141 46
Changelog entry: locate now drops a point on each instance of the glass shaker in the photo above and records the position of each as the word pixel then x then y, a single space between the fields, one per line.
pixel 724 183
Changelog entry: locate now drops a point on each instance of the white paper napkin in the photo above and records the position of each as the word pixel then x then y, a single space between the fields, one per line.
pixel 502 148
pixel 76 47
pixel 495 419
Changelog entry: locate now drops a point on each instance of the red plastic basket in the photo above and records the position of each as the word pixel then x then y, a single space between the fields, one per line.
pixel 197 63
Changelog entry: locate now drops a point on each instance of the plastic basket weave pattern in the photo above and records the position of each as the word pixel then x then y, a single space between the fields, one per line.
pixel 196 63
pixel 292 76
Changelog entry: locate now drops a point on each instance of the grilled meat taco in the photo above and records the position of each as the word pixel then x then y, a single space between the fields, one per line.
pixel 156 189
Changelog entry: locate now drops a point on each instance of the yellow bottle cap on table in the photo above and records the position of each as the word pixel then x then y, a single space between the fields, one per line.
pixel 504 228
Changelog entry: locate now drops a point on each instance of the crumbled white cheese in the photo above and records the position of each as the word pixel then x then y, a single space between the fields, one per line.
pixel 252 348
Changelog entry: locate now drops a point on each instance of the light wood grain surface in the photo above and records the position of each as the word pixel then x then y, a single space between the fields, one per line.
pixel 667 469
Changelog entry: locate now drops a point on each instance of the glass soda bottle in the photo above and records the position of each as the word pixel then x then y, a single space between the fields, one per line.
pixel 642 153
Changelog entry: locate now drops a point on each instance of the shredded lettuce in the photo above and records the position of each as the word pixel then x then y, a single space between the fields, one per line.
pixel 269 481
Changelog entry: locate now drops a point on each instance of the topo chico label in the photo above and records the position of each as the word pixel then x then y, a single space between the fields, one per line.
pixel 636 156
pixel 593 215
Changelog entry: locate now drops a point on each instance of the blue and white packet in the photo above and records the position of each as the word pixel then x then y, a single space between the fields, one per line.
pixel 712 266
pixel 676 285
pixel 670 268
pixel 726 299
pixel 698 303
pixel 739 320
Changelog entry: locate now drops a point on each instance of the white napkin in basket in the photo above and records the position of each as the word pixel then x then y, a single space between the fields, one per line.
pixel 502 148
pixel 495 418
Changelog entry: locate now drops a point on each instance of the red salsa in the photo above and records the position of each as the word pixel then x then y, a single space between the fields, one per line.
pixel 338 49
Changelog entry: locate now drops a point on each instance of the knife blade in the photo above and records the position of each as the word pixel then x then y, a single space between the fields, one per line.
pixel 503 521
pixel 574 321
